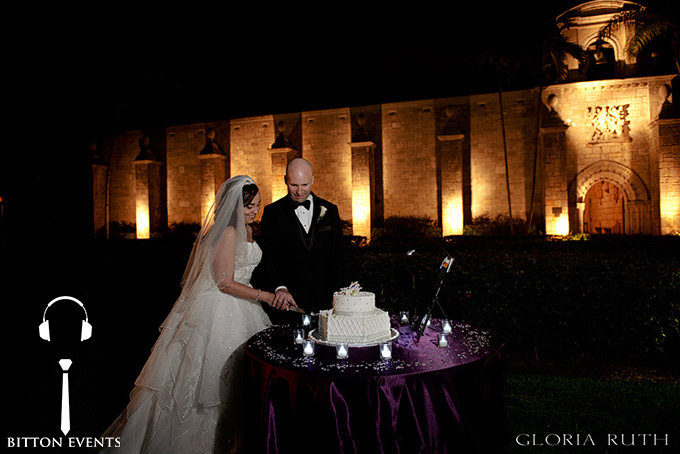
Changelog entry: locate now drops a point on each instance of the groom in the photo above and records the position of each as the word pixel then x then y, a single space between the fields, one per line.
pixel 301 240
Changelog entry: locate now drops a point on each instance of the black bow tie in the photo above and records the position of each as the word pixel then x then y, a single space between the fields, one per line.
pixel 305 204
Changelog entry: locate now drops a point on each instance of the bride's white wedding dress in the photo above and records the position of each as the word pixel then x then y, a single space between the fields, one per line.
pixel 188 397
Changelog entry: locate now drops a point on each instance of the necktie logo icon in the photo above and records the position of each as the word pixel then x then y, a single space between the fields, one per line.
pixel 65 364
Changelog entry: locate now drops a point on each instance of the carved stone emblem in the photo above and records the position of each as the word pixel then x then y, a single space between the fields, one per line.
pixel 609 123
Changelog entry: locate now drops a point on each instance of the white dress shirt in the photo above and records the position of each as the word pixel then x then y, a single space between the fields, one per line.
pixel 305 215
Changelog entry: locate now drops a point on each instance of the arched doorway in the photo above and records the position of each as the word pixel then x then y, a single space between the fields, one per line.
pixel 604 210
pixel 608 197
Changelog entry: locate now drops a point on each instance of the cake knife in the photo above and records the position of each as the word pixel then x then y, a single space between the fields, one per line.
pixel 296 309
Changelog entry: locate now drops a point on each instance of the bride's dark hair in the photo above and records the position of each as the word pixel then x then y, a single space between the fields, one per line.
pixel 249 193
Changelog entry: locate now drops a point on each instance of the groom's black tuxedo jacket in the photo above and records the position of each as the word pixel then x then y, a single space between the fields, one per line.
pixel 311 265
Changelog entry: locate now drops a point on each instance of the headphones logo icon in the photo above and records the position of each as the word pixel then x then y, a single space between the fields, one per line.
pixel 44 328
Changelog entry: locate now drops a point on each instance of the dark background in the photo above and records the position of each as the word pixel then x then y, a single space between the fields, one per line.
pixel 73 74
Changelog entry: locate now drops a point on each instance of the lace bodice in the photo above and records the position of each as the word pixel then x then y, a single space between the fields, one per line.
pixel 245 266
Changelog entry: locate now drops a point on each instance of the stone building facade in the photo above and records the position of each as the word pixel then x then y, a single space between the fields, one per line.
pixel 599 156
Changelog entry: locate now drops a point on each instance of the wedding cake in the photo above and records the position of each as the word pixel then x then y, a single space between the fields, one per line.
pixel 354 318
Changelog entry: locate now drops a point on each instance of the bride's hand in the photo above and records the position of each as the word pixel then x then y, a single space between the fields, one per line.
pixel 283 300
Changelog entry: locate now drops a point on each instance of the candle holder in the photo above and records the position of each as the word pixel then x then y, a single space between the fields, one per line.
pixel 386 350
pixel 308 347
pixel 403 317
pixel 446 326
pixel 298 336
pixel 306 320
pixel 341 351
pixel 442 340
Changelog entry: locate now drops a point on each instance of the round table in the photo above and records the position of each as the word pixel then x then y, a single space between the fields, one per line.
pixel 425 399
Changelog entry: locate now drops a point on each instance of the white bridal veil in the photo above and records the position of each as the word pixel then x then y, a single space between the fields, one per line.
pixel 225 216
pixel 190 383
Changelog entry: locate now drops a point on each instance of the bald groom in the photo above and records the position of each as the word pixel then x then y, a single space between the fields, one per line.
pixel 301 238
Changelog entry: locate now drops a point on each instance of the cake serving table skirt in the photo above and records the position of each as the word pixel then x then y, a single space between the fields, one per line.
pixel 425 399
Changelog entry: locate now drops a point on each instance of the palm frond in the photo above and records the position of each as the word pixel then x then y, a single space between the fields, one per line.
pixel 623 19
pixel 646 35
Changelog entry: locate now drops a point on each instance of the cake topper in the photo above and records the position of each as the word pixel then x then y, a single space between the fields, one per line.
pixel 352 290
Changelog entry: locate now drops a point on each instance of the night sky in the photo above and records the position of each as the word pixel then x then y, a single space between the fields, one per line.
pixel 76 75
pixel 72 76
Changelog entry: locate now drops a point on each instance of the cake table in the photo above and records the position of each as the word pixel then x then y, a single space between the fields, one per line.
pixel 424 399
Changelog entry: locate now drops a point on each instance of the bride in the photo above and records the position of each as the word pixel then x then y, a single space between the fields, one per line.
pixel 188 397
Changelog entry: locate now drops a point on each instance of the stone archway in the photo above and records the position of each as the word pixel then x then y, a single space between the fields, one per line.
pixel 634 201
pixel 604 211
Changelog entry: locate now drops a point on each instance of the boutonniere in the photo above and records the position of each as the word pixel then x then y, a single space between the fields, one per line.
pixel 322 214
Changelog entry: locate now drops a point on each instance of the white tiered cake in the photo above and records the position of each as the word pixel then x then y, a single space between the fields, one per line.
pixel 354 318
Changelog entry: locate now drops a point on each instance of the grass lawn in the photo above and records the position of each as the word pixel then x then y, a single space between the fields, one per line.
pixel 603 409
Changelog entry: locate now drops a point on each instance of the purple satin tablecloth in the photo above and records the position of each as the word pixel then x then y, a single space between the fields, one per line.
pixel 425 399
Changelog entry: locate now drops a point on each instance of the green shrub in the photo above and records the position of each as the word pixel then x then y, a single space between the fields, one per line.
pixel 598 298
pixel 122 230
pixel 499 226
pixel 184 230
pixel 405 229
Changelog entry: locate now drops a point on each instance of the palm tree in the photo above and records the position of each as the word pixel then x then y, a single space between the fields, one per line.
pixel 648 26
pixel 505 64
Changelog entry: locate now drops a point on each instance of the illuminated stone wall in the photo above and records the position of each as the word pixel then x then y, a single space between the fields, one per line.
pixel 669 176
pixel 184 144
pixel 325 144
pixel 489 194
pixel 125 148
pixel 409 161
pixel 438 158
pixel 250 141
pixel 609 138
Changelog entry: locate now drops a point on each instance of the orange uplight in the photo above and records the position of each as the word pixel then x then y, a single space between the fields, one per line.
pixel 558 226
pixel 670 214
pixel 361 212
pixel 452 217
pixel 142 220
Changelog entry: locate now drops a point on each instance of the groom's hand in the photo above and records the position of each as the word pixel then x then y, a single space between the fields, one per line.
pixel 283 299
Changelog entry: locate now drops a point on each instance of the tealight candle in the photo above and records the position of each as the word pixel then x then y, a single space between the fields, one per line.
pixel 386 350
pixel 403 316
pixel 299 336
pixel 341 351
pixel 443 339
pixel 308 347
pixel 446 326
pixel 306 319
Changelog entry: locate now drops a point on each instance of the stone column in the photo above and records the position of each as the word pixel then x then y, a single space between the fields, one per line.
pixel 667 130
pixel 451 170
pixel 363 187
pixel 100 170
pixel 279 157
pixel 147 197
pixel 213 174
pixel 552 139
pixel 556 197
pixel 580 213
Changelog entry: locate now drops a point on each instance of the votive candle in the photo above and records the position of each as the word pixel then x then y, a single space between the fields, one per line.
pixel 403 316
pixel 443 339
pixel 446 326
pixel 341 351
pixel 308 347
pixel 386 350
pixel 299 336
pixel 306 319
